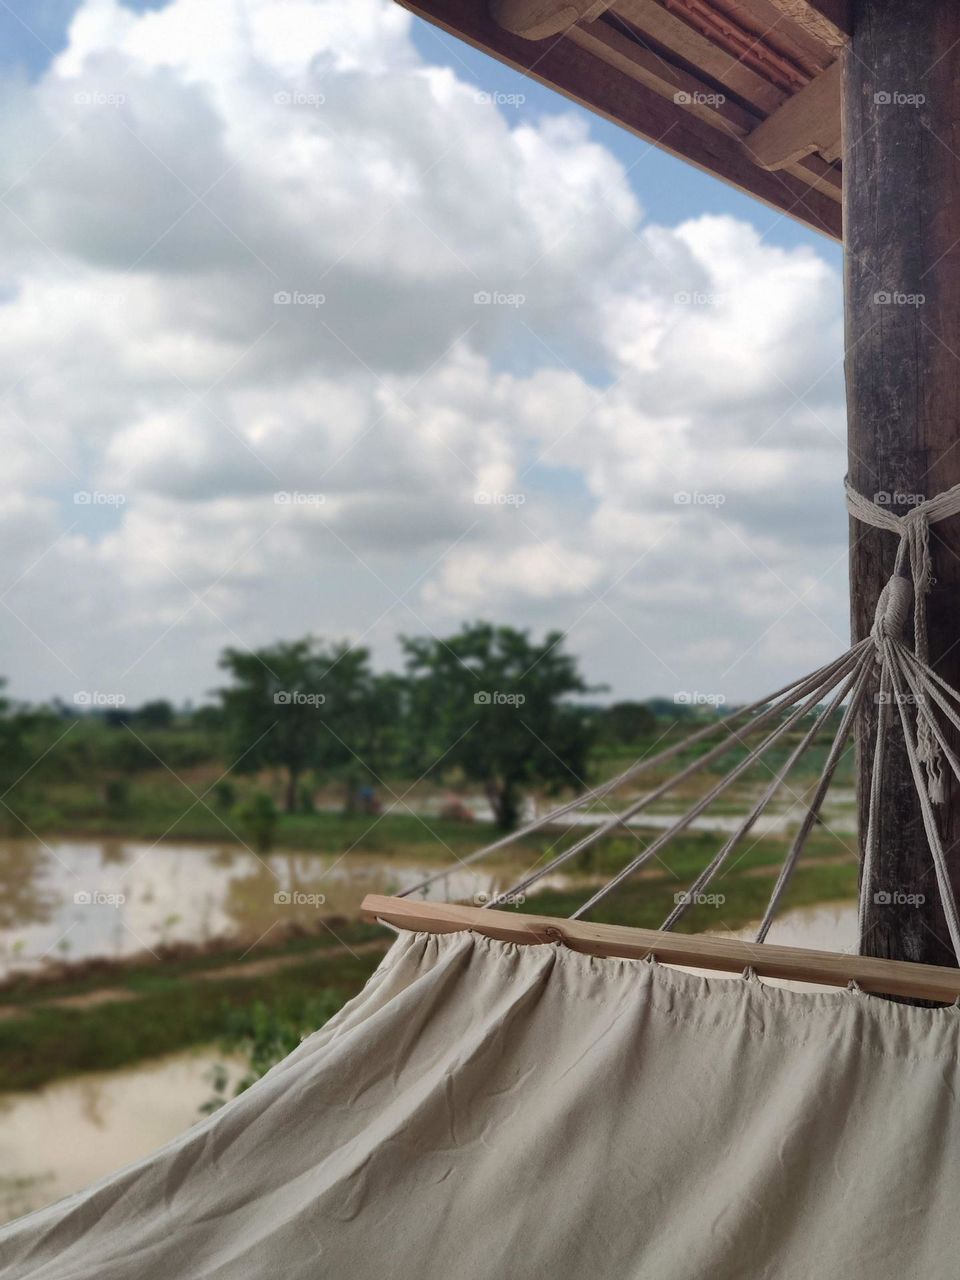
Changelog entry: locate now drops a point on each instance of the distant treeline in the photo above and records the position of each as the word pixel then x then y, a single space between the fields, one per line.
pixel 488 705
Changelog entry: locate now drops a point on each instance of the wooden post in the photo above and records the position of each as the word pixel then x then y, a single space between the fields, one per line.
pixel 901 183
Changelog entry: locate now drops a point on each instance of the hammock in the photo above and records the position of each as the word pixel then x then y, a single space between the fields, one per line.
pixel 489 1108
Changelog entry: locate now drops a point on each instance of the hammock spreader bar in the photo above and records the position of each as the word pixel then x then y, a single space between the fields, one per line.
pixel 699 950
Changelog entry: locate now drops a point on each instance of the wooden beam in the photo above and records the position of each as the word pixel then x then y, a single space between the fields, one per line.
pixel 669 32
pixel 901 102
pixel 634 59
pixel 814 24
pixel 807 122
pixel 773 25
pixel 696 96
pixel 593 83
pixel 702 951
pixel 828 20
pixel 540 19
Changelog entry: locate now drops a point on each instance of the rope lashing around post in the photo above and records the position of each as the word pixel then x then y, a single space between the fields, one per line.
pixel 913 555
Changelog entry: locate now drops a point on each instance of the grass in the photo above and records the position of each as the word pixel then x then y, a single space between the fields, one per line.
pixel 646 904
pixel 160 804
pixel 46 1044
pixel 163 809
pixel 141 975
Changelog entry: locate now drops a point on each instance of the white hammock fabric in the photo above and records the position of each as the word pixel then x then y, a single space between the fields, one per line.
pixel 484 1110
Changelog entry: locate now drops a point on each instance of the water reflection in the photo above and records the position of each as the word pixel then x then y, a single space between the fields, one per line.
pixel 72 900
pixel 67 1135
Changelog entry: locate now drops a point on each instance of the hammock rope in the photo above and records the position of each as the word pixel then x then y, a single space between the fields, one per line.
pixel 906 680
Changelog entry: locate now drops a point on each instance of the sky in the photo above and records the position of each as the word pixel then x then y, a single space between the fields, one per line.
pixel 314 320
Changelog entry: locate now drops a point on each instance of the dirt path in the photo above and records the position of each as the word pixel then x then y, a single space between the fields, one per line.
pixel 253 968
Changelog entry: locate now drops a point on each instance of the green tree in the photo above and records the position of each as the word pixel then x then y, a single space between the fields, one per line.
pixel 258 819
pixel 21 750
pixel 494 704
pixel 296 705
pixel 626 723
pixel 158 714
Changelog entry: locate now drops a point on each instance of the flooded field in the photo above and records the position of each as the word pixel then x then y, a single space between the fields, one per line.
pixel 72 900
pixel 61 1138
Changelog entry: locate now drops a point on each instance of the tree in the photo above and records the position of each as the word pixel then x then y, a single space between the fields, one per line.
pixel 492 703
pixel 258 818
pixel 296 705
pixel 158 714
pixel 17 725
pixel 627 723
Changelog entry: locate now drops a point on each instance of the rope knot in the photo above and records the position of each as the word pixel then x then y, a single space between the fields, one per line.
pixel 893 609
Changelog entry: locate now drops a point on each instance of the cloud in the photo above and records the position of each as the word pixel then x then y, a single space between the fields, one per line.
pixel 336 342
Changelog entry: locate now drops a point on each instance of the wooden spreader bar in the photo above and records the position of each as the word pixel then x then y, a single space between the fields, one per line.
pixel 831 968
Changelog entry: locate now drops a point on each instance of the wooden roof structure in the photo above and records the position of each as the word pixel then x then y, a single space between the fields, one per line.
pixel 747 90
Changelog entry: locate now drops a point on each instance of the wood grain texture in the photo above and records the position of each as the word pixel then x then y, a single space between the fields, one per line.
pixel 902 279
pixel 540 19
pixel 829 21
pixel 728 955
pixel 809 121
pixel 613 44
pixel 671 33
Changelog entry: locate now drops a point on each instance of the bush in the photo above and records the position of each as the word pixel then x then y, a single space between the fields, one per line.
pixel 116 795
pixel 265 1036
pixel 224 795
pixel 258 820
